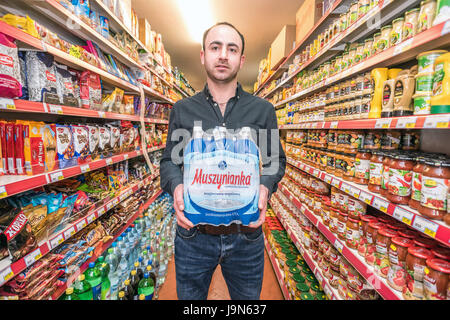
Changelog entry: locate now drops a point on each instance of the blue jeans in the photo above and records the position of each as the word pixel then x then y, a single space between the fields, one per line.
pixel 240 255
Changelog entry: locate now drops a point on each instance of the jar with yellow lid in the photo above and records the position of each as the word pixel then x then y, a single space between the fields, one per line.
pixel 359 54
pixel 363 7
pixel 352 57
pixel 376 39
pixel 343 22
pixel 354 12
pixel 345 61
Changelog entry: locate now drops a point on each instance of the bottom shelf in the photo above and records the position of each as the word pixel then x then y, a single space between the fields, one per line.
pixel 277 269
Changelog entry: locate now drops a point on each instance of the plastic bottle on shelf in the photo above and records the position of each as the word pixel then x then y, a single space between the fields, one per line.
pixel 82 288
pixel 94 278
pixel 116 251
pixel 104 269
pixel 111 259
pixel 379 75
pixel 147 285
pixel 128 289
pixel 114 280
pixel 71 295
pixel 134 282
pixel 121 295
pixel 138 268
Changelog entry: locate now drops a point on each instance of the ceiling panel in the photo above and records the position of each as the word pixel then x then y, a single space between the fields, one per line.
pixel 260 21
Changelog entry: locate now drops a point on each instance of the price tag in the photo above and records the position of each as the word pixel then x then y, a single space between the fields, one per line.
pixel 404 46
pixel 328 292
pixel 328 179
pixel 316 172
pixel 319 276
pixel 446 28
pixel 100 212
pixel 57 176
pixel 32 257
pixel 101 114
pixel 367 198
pixel 7 104
pixel 115 201
pixel 125 156
pixel 335 182
pixel 3 193
pixel 383 124
pixel 338 245
pixel 436 122
pixel 423 225
pixel 334 125
pixel 408 123
pixel 109 161
pixel 69 232
pixel 81 224
pixel 91 218
pixel 380 204
pixel 355 192
pixel 6 275
pixel 56 241
pixel 85 168
pixel 55 109
pixel 345 187
pixel 403 215
pixel 109 205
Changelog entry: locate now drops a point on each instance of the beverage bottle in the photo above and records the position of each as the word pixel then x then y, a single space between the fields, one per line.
pixel 128 289
pixel 121 295
pixel 115 281
pixel 82 288
pixel 152 275
pixel 134 282
pixel 111 259
pixel 142 297
pixel 155 263
pixel 103 267
pixel 146 287
pixel 70 295
pixel 94 278
pixel 138 268
pixel 116 250
pixel 210 143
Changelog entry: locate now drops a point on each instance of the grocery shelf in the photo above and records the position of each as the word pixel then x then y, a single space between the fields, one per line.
pixel 368 272
pixel 11 185
pixel 276 267
pixel 102 247
pixel 8 270
pixel 432 228
pixel 327 288
pixel 437 121
pixel 435 37
pixel 156 94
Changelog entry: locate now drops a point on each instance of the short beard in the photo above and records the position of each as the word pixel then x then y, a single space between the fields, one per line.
pixel 229 79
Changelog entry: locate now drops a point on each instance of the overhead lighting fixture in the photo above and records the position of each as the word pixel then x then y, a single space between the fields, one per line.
pixel 197 15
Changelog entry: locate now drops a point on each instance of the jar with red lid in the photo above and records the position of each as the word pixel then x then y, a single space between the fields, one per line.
pixel 344 267
pixel 342 225
pixel 376 171
pixel 400 178
pixel 363 225
pixel 334 198
pixel 416 185
pixel 435 187
pixel 352 236
pixel 436 279
pixel 388 156
pixel 424 242
pixel 371 237
pixel 383 243
pixel 362 167
pixel 415 268
pixel 441 253
pixel 356 208
pixel 398 250
pixel 410 234
pixel 342 198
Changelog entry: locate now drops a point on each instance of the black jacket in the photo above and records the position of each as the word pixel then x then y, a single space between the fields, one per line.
pixel 243 110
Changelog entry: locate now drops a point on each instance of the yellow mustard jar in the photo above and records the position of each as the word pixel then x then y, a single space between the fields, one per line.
pixel 440 101
pixel 379 77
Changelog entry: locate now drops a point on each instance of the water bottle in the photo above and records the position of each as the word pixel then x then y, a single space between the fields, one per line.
pixel 114 279
pixel 146 286
pixel 82 288
pixel 94 278
pixel 112 260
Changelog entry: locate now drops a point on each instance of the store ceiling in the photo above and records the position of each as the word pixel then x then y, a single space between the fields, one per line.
pixel 260 21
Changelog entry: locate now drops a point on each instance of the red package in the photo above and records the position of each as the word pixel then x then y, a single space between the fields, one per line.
pixel 4 165
pixel 10 159
pixel 37 147
pixel 19 148
pixel 10 86
pixel 90 91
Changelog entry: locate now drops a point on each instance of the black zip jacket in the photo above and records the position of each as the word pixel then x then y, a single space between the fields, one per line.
pixel 243 110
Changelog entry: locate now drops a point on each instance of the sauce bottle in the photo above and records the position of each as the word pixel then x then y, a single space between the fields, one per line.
pixel 404 90
pixel 379 76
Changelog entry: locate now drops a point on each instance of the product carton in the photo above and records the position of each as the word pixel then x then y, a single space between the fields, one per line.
pixel 145 33
pixel 282 46
pixel 307 16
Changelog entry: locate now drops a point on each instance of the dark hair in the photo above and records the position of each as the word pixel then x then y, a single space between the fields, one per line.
pixel 224 24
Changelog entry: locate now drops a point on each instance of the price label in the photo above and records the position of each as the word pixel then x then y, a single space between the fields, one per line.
pixel 115 201
pixel 6 275
pixel 335 182
pixel 338 245
pixel 319 276
pixel 85 168
pixel 328 179
pixel 446 28
pixel 101 114
pixel 334 124
pixel 404 46
pixel 100 212
pixel 355 192
pixel 406 123
pixel 345 187
pixel 69 232
pixel 316 172
pixel 436 122
pixel 328 292
pixel 7 104
pixel 55 109
pixel 32 257
pixel 125 156
pixel 380 204
pixel 403 215
pixel 383 124
pixel 367 198
pixel 57 176
pixel 81 224
pixel 109 205
pixel 57 241
pixel 109 161
pixel 423 225
pixel 3 193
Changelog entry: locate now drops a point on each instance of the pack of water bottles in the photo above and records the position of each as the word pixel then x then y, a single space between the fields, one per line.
pixel 221 177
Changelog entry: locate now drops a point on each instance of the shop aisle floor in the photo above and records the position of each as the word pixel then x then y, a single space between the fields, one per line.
pixel 218 289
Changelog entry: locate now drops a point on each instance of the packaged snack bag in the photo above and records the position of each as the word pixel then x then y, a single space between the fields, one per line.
pixel 19 148
pixel 94 137
pixel 65 149
pixel 104 145
pixel 66 90
pixel 90 91
pixel 3 143
pixel 115 139
pixel 10 152
pixel 50 146
pixel 10 78
pixel 37 147
pixel 81 143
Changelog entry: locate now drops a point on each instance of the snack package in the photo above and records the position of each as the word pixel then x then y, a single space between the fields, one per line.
pixel 41 77
pixel 16 233
pixel 90 91
pixel 26 24
pixel 127 107
pixel 108 101
pixel 50 146
pixel 19 148
pixel 65 86
pixel 36 216
pixel 94 137
pixel 137 137
pixel 37 147
pixel 104 144
pixel 3 155
pixel 118 101
pixel 76 75
pixel 126 137
pixel 81 143
pixel 10 77
pixel 65 148
pixel 115 139
pixel 10 153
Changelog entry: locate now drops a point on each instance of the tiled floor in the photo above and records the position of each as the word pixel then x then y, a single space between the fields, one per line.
pixel 218 289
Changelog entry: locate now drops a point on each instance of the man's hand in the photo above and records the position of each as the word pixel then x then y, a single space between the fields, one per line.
pixel 262 205
pixel 178 204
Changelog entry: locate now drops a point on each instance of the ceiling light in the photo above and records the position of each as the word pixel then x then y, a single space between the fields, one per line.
pixel 197 16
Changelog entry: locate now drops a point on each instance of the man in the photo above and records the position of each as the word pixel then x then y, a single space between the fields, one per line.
pixel 237 248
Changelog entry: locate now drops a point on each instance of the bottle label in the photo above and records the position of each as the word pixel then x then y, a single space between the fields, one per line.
pixel 438 79
pixel 362 168
pixel 221 180
pixel 416 192
pixel 376 172
pixel 434 193
pixel 400 182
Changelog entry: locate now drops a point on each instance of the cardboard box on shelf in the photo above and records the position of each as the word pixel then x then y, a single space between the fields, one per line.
pixel 145 33
pixel 307 16
pixel 282 46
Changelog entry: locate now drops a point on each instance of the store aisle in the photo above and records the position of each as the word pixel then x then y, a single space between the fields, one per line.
pixel 218 289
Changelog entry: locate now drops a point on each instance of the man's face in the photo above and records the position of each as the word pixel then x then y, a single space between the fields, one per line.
pixel 222 56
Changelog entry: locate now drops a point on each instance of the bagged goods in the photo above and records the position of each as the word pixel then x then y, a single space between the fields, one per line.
pixel 19 148
pixel 104 145
pixel 9 137
pixel 94 137
pixel 65 148
pixel 37 147
pixel 51 157
pixel 90 91
pixel 10 85
pixel 66 88
pixel 115 139
pixel 81 143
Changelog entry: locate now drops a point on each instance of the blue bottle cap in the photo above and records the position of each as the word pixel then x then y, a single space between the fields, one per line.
pixel 140 259
pixel 91 264
pixel 146 275
pixel 114 245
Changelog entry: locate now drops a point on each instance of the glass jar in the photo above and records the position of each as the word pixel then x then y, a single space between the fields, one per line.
pixel 326 207
pixel 376 171
pixel 339 158
pixel 352 57
pixel 368 48
pixel 359 55
pixel 343 22
pixel 362 167
pixel 342 225
pixel 352 235
pixel 354 13
pixel 330 162
pixel 383 243
pixel 397 251
pixel 356 208
pixel 410 140
pixel 363 225
pixel 385 175
pixel 396 36
pixel 333 225
pixel 384 41
pixel 426 15
pixel 436 279
pixel 372 140
pixel 416 185
pixel 371 236
pixel 349 161
pixel 363 7
pixel 415 268
pixel 400 177
pixel 411 24
pixel 376 40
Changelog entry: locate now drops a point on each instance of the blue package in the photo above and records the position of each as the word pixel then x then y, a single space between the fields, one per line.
pixel 65 147
pixel 104 26
pixel 54 202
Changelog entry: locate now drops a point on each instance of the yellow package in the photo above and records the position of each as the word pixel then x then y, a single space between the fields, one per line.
pixel 25 24
pixel 51 155
pixel 26 145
